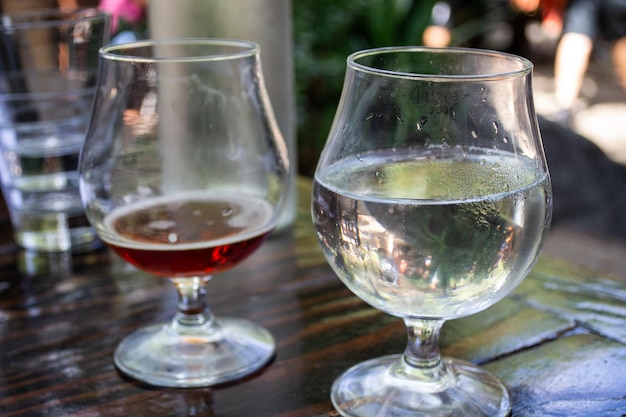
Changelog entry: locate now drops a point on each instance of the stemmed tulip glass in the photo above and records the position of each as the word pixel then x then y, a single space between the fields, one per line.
pixel 431 201
pixel 183 173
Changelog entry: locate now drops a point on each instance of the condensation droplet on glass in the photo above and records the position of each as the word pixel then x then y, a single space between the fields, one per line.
pixel 505 139
pixel 227 211
pixel 474 134
pixel 398 118
pixel 379 115
pixel 495 126
pixel 369 116
pixel 172 237
pixel 421 122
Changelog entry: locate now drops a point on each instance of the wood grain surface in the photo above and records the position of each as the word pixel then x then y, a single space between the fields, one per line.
pixel 558 341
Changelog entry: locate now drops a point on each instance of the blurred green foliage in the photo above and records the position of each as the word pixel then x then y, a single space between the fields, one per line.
pixel 325 33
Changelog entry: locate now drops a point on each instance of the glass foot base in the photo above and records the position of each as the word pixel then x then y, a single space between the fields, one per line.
pixel 387 387
pixel 160 356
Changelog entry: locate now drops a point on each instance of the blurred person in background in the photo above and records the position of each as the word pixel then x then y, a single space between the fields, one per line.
pixel 494 24
pixel 550 12
pixel 585 22
pixel 128 22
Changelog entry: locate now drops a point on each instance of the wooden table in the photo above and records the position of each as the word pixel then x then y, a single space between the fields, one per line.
pixel 558 342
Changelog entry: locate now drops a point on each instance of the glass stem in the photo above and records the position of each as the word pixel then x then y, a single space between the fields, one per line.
pixel 193 312
pixel 422 356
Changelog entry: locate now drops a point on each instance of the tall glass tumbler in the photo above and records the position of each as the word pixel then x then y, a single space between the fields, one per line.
pixel 48 62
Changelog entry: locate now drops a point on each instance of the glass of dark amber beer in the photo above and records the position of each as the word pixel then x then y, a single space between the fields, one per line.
pixel 183 174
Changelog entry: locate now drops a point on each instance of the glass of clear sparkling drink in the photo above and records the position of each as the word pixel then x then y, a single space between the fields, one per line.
pixel 431 201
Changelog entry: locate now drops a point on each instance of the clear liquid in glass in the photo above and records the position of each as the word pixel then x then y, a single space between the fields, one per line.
pixel 437 235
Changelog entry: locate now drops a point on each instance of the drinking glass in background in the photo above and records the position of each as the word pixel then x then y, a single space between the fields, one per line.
pixel 48 63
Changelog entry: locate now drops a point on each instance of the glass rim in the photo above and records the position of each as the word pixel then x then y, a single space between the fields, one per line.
pixel 524 66
pixel 62 17
pixel 122 52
